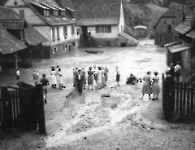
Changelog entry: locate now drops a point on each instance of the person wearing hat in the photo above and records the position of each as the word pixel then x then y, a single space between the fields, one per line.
pixel 155 86
pixel 53 77
pixel 84 77
pixel 79 81
pixel 147 85
pixel 117 76
pixel 44 81
pixel 75 71
pixel 36 76
pixel 90 78
pixel 17 74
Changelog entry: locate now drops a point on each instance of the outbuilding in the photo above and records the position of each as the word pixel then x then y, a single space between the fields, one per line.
pixel 140 31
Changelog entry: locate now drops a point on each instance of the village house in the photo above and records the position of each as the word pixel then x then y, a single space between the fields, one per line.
pixel 183 49
pixel 54 22
pixel 164 28
pixel 17 38
pixel 101 22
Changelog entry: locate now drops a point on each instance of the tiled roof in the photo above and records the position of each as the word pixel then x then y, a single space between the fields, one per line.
pixel 51 20
pixel 183 27
pixel 174 12
pixel 191 34
pixel 8 42
pixel 33 37
pixel 65 4
pixel 2 2
pixel 179 48
pixel 94 11
pixel 10 19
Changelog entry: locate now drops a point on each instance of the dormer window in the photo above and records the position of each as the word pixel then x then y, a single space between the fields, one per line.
pixel 46 13
pixel 55 12
pixel 63 13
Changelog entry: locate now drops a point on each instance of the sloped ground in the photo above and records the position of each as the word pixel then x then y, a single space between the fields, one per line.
pixel 120 122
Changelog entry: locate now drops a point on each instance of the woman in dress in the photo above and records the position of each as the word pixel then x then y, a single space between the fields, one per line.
pixel 84 77
pixel 99 78
pixel 147 85
pixel 103 78
pixel 75 71
pixel 90 77
pixel 155 86
pixel 53 77
pixel 106 75
pixel 117 76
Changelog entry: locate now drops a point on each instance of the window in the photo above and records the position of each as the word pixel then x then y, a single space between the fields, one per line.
pixel 78 31
pixel 21 13
pixel 103 29
pixel 46 13
pixel 58 33
pixel 53 33
pixel 55 13
pixel 165 22
pixel 65 31
pixel 62 13
pixel 169 29
pixel 72 30
pixel 107 43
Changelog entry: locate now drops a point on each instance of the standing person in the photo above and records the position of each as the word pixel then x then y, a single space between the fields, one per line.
pixel 90 77
pixel 44 81
pixel 103 77
pixel 155 86
pixel 117 76
pixel 146 86
pixel 172 70
pixel 95 73
pixel 53 77
pixel 106 75
pixel 75 71
pixel 36 76
pixel 18 75
pixel 79 78
pixel 60 80
pixel 99 78
pixel 178 71
pixel 84 77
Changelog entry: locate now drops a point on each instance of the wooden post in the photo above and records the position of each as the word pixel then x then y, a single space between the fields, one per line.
pixel 16 60
pixel 41 111
pixel 7 110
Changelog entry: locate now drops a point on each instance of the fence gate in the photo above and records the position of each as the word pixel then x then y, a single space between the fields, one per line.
pixel 22 109
pixel 178 97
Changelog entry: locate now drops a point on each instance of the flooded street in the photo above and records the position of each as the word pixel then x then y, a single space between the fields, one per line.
pixel 120 122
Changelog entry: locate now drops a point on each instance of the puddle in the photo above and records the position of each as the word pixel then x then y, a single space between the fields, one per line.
pixel 109 102
pixel 75 100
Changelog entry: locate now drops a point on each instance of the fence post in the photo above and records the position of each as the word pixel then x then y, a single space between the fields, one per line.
pixel 7 110
pixel 41 111
pixel 170 97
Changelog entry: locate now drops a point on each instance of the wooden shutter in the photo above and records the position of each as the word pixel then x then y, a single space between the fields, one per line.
pixel 109 29
pixel 97 29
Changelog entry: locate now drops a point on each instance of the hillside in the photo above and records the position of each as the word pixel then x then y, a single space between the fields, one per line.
pixel 146 14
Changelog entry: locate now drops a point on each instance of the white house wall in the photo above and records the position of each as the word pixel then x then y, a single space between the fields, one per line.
pixel 113 34
pixel 30 16
pixel 11 2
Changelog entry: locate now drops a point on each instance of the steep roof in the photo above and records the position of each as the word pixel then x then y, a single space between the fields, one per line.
pixel 32 36
pixel 51 20
pixel 10 19
pixel 65 4
pixel 8 42
pixel 2 2
pixel 97 12
pixel 173 12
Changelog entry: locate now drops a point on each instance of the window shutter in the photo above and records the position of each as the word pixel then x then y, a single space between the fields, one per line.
pixel 109 29
pixel 97 29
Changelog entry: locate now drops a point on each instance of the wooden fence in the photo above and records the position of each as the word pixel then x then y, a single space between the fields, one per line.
pixel 22 109
pixel 178 98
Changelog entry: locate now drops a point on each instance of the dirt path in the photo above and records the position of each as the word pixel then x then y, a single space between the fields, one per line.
pixel 122 121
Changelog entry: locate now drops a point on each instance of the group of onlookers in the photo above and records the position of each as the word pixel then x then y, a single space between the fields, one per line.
pixel 81 78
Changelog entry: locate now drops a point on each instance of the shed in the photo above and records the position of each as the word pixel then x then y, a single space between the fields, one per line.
pixel 140 31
